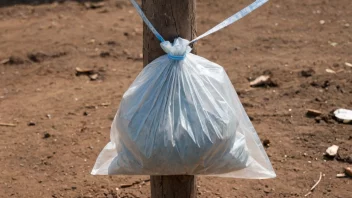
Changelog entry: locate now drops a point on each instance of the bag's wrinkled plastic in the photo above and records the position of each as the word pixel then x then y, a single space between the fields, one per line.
pixel 183 118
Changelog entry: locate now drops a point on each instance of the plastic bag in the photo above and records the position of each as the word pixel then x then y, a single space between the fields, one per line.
pixel 182 116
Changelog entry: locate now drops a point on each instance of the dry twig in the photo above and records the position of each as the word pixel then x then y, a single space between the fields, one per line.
pixel 7 124
pixel 315 185
pixel 134 183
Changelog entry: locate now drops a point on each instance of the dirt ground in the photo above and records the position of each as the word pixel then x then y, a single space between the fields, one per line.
pixel 62 120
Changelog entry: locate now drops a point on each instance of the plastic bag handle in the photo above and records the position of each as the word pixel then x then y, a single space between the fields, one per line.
pixel 146 21
pixel 232 18
pixel 218 27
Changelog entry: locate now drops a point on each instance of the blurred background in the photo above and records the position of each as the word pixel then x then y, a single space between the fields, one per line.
pixel 64 66
pixel 38 2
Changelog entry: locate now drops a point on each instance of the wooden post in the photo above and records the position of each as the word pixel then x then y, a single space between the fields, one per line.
pixel 172 19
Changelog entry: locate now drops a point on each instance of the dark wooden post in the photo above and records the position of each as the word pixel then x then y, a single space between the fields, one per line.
pixel 172 19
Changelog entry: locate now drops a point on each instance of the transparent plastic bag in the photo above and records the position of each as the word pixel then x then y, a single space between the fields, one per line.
pixel 183 117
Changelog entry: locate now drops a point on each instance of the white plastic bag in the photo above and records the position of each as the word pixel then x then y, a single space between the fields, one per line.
pixel 182 116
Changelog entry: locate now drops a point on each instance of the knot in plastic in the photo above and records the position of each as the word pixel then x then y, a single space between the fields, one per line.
pixel 173 57
pixel 177 50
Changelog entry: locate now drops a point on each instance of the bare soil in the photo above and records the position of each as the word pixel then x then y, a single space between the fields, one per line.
pixel 62 120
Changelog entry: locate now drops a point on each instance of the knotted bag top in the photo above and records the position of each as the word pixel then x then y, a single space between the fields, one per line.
pixel 180 48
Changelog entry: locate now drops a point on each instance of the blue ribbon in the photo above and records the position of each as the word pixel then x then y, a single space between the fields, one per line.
pixel 239 15
pixel 218 27
pixel 146 21
pixel 177 58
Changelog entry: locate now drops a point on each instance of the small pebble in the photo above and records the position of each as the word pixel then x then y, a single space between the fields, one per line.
pixel 46 135
pixel 31 123
pixel 266 143
pixel 348 171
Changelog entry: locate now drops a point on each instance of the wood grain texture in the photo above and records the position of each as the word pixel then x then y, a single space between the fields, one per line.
pixel 172 19
pixel 178 186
